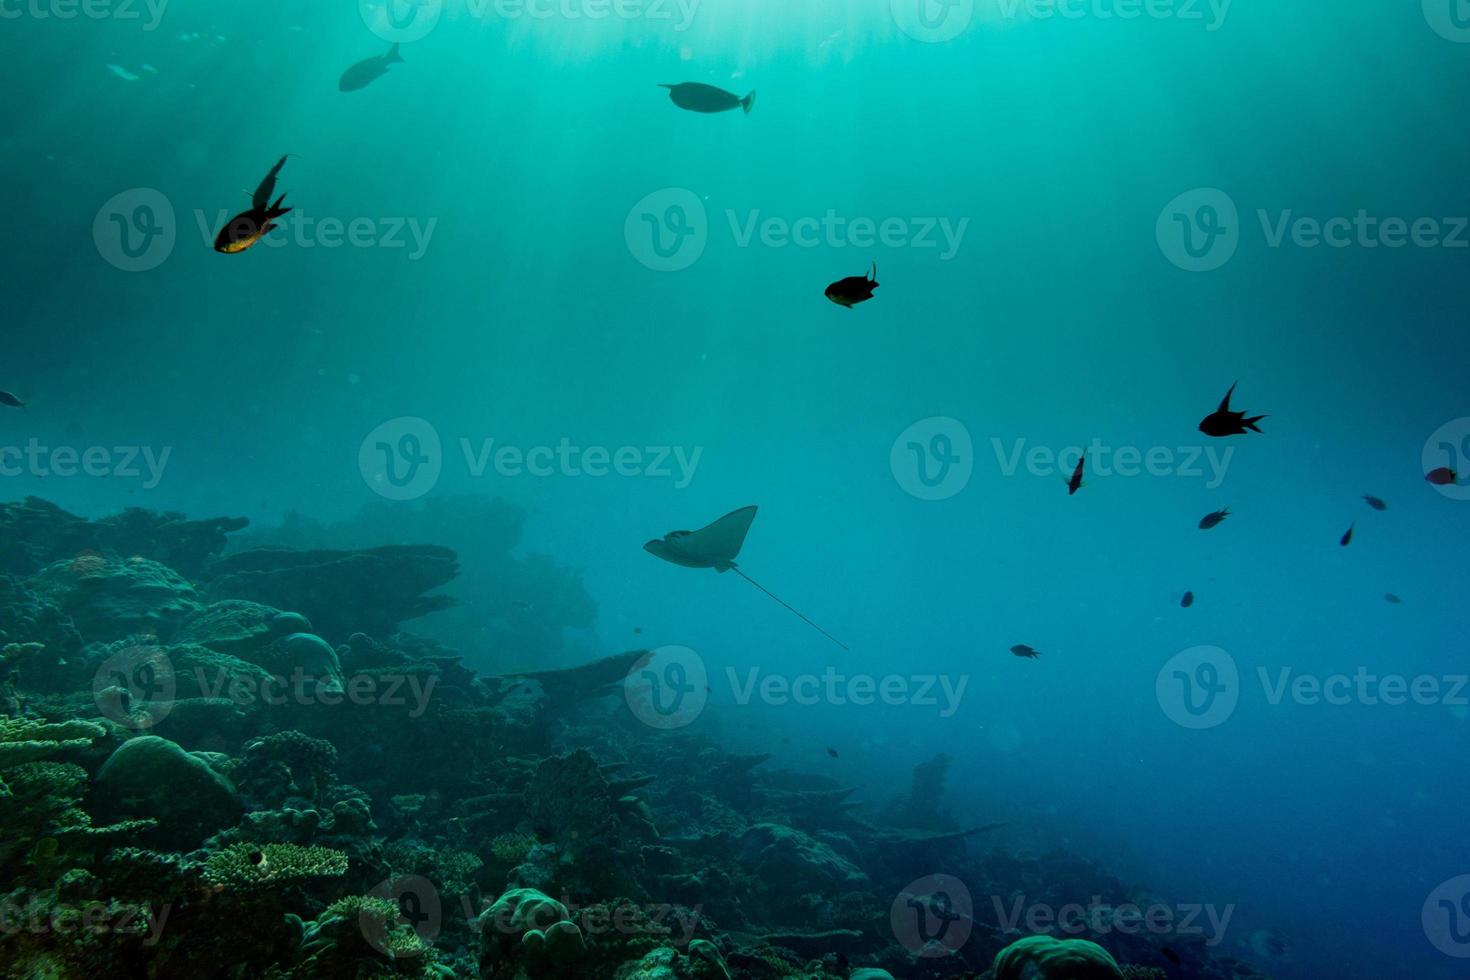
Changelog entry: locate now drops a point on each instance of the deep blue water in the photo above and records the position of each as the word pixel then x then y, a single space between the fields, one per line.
pixel 1064 154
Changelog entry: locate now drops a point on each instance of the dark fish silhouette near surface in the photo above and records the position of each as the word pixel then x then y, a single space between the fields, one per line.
pixel 1213 520
pixel 1374 502
pixel 1347 537
pixel 369 70
pixel 6 398
pixel 1392 599
pixel 832 753
pixel 1442 477
pixel 698 97
pixel 1225 422
pixel 1188 600
pixel 1075 484
pixel 854 289
pixel 1022 650
pixel 249 227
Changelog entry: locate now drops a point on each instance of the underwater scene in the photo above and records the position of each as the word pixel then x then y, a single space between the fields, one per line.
pixel 735 490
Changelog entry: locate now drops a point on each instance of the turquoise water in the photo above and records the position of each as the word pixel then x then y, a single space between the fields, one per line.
pixel 522 192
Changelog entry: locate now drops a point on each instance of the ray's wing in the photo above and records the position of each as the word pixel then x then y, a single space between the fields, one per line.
pixel 721 541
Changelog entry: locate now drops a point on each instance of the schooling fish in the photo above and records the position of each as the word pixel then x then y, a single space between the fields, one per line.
pixel 6 398
pixel 1022 650
pixel 369 70
pixel 716 546
pixel 249 227
pixel 1442 477
pixel 1374 502
pixel 1075 484
pixel 854 289
pixel 1225 422
pixel 1213 520
pixel 1188 600
pixel 1347 538
pixel 698 97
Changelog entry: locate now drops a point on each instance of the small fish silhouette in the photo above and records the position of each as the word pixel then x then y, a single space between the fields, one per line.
pixel 1213 520
pixel 1225 422
pixel 1347 538
pixel 1188 600
pixel 854 289
pixel 1442 477
pixel 1374 502
pixel 1075 484
pixel 1022 650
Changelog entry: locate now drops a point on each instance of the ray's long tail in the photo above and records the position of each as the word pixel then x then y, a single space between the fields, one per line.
pixel 738 571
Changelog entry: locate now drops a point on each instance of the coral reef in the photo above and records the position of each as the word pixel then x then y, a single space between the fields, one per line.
pixel 265 777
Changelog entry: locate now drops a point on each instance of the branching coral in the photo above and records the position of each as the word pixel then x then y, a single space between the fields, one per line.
pixel 26 739
pixel 242 867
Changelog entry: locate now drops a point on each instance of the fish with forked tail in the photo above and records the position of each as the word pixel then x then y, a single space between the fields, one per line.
pixel 1226 422
pixel 698 97
pixel 249 227
pixel 853 290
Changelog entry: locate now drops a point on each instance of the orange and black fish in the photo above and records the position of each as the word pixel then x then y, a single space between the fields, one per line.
pixel 1375 502
pixel 1442 477
pixel 249 227
pixel 1075 484
pixel 1347 538
pixel 1225 422
pixel 854 289
pixel 1213 520
pixel 1188 600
